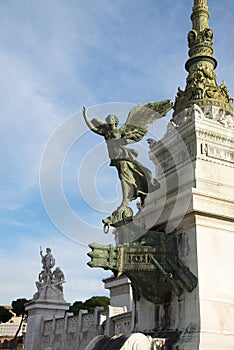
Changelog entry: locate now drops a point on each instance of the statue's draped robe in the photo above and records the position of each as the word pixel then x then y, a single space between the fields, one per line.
pixel 138 178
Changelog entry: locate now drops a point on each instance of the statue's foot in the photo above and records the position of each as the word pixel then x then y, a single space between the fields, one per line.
pixel 121 208
pixel 121 216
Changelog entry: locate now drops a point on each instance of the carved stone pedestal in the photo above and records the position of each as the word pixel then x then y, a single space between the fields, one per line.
pixel 47 303
pixel 38 310
pixel 196 164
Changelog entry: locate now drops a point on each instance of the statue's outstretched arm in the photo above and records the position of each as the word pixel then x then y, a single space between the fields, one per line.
pixel 90 124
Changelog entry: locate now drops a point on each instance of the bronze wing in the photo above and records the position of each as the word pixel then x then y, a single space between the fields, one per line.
pixel 140 116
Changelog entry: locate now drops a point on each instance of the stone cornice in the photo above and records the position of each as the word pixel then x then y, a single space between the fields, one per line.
pixel 196 137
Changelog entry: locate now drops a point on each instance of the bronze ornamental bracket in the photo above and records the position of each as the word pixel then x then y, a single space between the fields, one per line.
pixel 154 270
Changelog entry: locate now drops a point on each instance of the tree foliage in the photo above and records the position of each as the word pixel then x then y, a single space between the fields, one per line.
pixel 90 304
pixel 18 306
pixel 5 315
pixel 76 307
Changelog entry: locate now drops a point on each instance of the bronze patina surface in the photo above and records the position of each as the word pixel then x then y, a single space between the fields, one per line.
pixel 136 179
pixel 151 263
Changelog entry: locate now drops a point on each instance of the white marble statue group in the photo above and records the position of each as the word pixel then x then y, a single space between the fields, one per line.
pixel 48 278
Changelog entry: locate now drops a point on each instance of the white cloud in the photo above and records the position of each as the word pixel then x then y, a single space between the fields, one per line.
pixel 26 119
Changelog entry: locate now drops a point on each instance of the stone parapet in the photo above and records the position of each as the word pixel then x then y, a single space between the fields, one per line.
pixel 70 332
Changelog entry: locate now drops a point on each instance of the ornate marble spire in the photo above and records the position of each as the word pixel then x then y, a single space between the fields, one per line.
pixel 201 85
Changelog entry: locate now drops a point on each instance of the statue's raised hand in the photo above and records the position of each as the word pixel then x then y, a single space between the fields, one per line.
pixel 84 110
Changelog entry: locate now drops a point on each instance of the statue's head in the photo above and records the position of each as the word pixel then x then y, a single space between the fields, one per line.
pixel 112 119
pixel 48 250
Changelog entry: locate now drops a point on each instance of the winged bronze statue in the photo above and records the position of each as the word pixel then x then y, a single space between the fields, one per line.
pixel 136 179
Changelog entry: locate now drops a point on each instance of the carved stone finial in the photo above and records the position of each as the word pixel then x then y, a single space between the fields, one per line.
pixel 200 3
pixel 200 15
pixel 202 88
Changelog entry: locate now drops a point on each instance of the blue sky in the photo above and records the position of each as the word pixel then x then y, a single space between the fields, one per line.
pixel 57 56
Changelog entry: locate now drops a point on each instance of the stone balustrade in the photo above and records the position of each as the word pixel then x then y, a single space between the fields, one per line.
pixel 123 323
pixel 71 330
